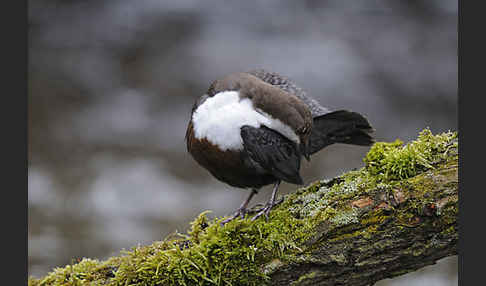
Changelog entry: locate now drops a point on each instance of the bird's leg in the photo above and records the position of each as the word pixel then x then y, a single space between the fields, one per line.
pixel 242 210
pixel 270 204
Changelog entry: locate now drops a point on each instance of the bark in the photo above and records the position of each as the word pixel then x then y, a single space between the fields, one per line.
pixel 409 227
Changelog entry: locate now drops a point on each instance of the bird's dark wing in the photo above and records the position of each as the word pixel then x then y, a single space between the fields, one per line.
pixel 329 127
pixel 274 152
pixel 289 86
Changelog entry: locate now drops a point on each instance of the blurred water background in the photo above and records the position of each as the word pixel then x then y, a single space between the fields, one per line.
pixel 111 85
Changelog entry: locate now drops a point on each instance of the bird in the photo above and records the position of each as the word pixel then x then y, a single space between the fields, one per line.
pixel 252 129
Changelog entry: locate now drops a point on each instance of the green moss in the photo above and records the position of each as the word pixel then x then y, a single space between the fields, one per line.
pixel 85 271
pixel 449 230
pixel 246 253
pixel 392 161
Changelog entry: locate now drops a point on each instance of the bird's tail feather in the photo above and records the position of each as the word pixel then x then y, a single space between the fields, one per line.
pixel 340 126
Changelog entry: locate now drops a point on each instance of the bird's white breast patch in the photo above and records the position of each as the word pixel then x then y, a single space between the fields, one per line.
pixel 220 118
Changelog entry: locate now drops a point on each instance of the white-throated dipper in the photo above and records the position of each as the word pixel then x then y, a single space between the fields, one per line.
pixel 251 129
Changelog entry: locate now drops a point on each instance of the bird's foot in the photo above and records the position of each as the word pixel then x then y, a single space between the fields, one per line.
pixel 266 209
pixel 240 212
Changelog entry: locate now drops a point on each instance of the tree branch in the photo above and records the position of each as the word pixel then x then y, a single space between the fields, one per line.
pixel 396 231
pixel 394 216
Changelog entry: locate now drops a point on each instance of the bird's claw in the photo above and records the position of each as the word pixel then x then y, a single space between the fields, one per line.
pixel 266 209
pixel 240 212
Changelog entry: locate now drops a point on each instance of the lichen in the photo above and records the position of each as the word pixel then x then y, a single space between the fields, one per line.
pixel 270 267
pixel 345 217
pixel 246 253
pixel 304 278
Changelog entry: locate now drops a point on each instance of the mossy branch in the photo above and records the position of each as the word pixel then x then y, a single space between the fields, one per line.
pixel 395 215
